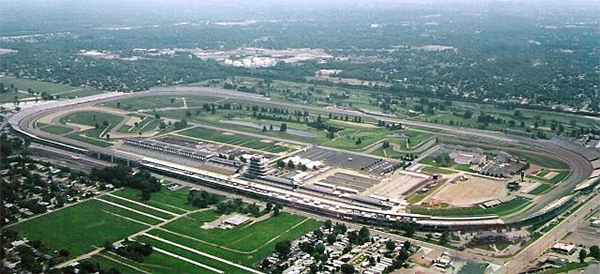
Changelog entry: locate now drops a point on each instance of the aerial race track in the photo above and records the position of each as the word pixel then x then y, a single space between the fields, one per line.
pixel 577 158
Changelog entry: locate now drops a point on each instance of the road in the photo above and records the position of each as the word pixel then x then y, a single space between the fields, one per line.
pixel 519 261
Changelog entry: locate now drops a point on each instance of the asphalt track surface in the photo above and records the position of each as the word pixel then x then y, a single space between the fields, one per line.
pixel 579 166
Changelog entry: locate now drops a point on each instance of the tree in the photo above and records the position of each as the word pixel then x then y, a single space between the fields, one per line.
pixel 445 238
pixel 595 252
pixel 63 253
pixel 283 248
pixel 390 245
pixel 364 235
pixel 291 165
pixel 281 163
pixel 331 238
pixel 328 224
pixel 264 129
pixel 409 231
pixel 283 127
pixel 118 104
pixel 582 255
pixel 145 195
pixel 347 269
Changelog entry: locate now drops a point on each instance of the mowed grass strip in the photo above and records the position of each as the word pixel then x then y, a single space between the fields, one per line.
pixel 80 227
pixel 89 140
pixel 134 206
pixel 90 118
pixel 541 189
pixel 157 262
pixel 56 129
pixel 191 255
pixel 500 210
pixel 174 201
pixel 251 235
pixel 235 139
pixel 248 258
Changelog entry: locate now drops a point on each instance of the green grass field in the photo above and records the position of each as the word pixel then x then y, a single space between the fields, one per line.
pixel 349 137
pixel 235 139
pixel 251 242
pixel 54 129
pixel 500 210
pixel 157 262
pixel 541 189
pixel 80 227
pixel 90 118
pixel 137 207
pixel 89 140
pixel 9 97
pixel 173 201
pixel 554 180
pixel 92 136
pixel 191 255
pixel 65 91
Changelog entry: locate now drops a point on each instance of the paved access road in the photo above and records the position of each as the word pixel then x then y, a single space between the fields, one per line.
pixel 534 250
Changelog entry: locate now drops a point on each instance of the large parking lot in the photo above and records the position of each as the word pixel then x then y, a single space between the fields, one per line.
pixel 371 165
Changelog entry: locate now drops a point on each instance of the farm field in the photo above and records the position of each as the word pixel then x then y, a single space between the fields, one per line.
pixel 236 139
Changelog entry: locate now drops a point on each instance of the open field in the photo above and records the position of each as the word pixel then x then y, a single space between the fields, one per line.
pixel 137 207
pixel 54 129
pixel 91 118
pixel 349 137
pixel 89 140
pixel 80 227
pixel 358 99
pixel 9 97
pixel 162 102
pixel 157 262
pixel 236 139
pixel 65 91
pixel 174 201
pixel 180 246
pixel 245 245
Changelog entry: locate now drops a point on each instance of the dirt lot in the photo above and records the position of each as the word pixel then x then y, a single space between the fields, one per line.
pixel 472 191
